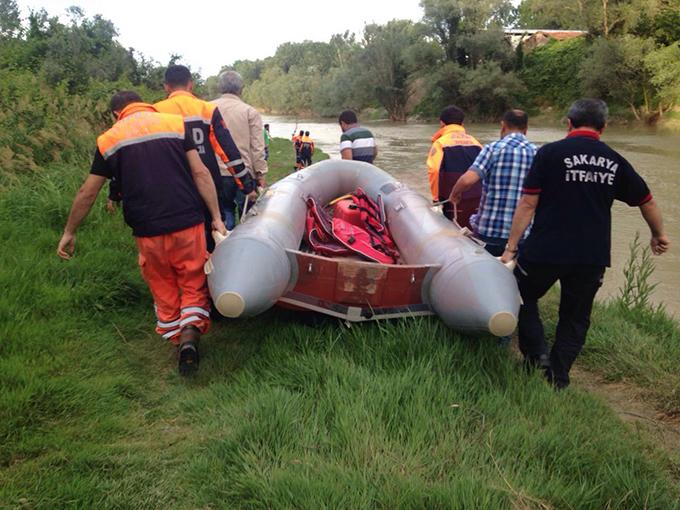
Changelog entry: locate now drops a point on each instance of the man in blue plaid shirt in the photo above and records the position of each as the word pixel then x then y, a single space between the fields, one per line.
pixel 501 166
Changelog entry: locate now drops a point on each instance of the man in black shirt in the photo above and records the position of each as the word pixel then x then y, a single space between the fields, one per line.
pixel 568 192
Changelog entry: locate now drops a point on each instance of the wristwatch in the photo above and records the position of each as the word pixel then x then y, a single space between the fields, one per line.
pixel 507 248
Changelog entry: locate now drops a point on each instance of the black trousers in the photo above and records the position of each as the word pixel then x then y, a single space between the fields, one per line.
pixel 579 284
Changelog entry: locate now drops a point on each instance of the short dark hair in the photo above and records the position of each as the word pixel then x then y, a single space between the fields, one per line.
pixel 588 112
pixel 123 98
pixel 348 117
pixel 452 115
pixel 266 126
pixel 306 133
pixel 302 132
pixel 516 118
pixel 177 76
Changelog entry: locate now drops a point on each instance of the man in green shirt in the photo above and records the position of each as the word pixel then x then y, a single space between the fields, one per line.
pixel 267 141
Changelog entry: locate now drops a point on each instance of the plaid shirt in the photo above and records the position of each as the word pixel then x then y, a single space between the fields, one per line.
pixel 502 166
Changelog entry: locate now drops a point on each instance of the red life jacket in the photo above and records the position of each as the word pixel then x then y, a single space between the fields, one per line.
pixel 360 241
pixel 356 228
pixel 319 230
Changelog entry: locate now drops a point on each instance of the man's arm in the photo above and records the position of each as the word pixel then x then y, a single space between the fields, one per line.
pixel 346 153
pixel 85 198
pixel 206 188
pixel 520 221
pixel 464 183
pixel 652 214
pixel 224 146
pixel 257 146
pixel 375 151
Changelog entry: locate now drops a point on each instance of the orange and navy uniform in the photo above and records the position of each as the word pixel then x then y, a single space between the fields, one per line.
pixel 306 150
pixel 211 136
pixel 453 152
pixel 145 151
pixel 296 142
pixel 307 141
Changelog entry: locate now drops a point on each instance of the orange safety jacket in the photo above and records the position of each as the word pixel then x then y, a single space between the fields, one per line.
pixel 211 136
pixel 308 142
pixel 145 153
pixel 453 152
pixel 296 139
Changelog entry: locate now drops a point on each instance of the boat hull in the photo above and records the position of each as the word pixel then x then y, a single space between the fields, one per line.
pixel 252 269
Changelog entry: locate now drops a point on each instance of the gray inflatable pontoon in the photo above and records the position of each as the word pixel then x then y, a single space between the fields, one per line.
pixel 251 269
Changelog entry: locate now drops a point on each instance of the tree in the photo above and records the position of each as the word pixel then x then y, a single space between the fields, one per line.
pixel 488 91
pixel 10 20
pixel 385 67
pixel 598 17
pixel 664 65
pixel 616 70
pixel 554 14
pixel 663 24
pixel 449 20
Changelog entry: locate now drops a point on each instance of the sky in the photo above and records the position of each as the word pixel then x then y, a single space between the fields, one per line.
pixel 215 33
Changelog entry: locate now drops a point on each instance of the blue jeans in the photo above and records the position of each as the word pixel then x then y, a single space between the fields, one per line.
pixel 233 199
pixel 229 206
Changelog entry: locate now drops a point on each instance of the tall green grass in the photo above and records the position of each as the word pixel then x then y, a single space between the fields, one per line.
pixel 636 340
pixel 287 410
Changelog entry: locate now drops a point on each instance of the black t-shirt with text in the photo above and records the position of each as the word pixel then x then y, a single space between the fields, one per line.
pixel 577 180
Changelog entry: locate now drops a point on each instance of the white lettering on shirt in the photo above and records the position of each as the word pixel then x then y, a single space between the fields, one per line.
pixel 605 176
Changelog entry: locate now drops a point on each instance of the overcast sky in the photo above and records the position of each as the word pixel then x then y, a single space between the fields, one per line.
pixel 209 34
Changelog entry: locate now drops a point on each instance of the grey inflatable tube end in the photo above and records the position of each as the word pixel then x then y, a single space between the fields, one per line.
pixel 254 287
pixel 489 301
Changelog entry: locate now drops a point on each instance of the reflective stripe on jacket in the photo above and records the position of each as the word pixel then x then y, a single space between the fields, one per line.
pixel 210 134
pixel 146 153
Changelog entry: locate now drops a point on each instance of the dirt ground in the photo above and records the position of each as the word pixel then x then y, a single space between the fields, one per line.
pixel 627 401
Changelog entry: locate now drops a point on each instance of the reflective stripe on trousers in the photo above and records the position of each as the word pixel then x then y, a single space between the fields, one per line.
pixel 172 266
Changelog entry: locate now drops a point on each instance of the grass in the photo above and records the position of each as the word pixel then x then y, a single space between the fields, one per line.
pixel 287 411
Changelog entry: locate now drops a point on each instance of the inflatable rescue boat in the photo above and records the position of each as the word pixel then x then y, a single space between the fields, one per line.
pixel 441 270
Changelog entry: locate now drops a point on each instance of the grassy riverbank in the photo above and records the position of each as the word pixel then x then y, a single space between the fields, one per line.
pixel 286 411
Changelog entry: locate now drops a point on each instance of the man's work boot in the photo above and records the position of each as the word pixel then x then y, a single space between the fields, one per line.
pixel 188 350
pixel 541 362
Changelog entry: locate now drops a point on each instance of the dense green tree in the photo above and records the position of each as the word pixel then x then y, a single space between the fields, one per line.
pixel 10 20
pixel 385 67
pixel 599 17
pixel 552 14
pixel 664 66
pixel 450 20
pixel 551 72
pixel 56 80
pixel 616 71
pixel 662 24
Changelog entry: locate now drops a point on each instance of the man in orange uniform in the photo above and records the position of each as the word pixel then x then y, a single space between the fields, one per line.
pixel 297 143
pixel 210 134
pixel 164 186
pixel 453 152
pixel 306 150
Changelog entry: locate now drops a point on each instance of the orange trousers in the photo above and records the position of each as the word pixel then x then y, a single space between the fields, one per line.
pixel 172 265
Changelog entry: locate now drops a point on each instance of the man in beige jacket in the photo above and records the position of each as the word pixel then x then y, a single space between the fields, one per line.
pixel 245 125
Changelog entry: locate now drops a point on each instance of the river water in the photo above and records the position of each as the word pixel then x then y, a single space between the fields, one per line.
pixel 402 150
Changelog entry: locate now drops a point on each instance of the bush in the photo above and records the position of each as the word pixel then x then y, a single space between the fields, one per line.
pixel 551 72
